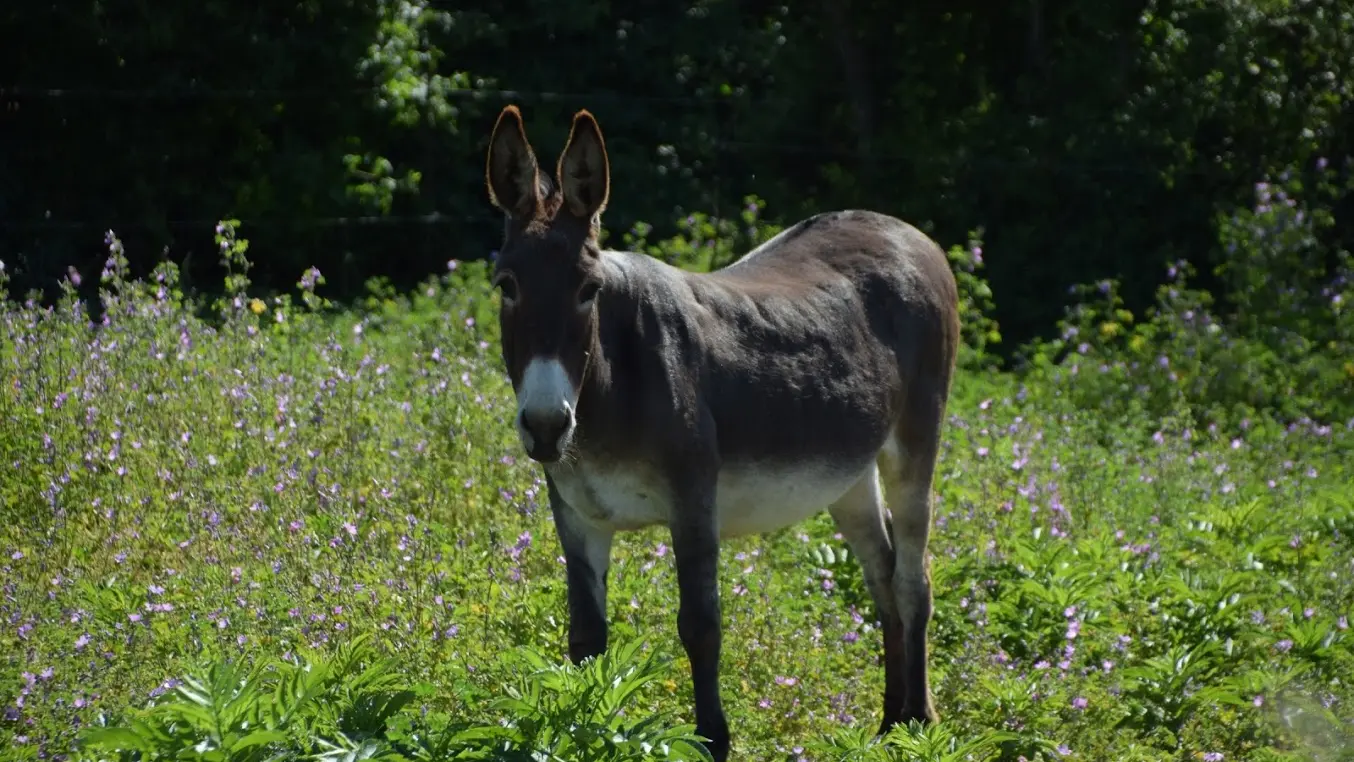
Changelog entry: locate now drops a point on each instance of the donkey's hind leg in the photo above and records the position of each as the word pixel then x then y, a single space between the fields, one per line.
pixel 907 476
pixel 859 515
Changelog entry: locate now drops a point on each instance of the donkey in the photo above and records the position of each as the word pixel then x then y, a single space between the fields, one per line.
pixel 728 403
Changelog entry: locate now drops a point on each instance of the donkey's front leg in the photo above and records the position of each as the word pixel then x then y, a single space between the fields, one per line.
pixel 587 556
pixel 695 544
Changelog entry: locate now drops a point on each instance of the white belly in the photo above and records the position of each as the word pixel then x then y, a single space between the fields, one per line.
pixel 749 499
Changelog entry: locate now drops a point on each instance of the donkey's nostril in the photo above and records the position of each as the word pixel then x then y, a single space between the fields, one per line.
pixel 546 427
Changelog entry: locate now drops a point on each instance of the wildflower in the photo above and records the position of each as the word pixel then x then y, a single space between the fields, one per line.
pixel 1079 702
pixel 1212 756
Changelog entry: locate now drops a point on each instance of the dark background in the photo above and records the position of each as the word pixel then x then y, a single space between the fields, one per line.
pixel 1088 140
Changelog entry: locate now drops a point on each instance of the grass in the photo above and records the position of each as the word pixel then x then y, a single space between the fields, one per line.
pixel 189 498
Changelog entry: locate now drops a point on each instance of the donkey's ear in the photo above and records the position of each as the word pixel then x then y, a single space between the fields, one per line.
pixel 511 171
pixel 584 173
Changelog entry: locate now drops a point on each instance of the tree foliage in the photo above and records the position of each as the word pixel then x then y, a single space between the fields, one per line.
pixel 1087 140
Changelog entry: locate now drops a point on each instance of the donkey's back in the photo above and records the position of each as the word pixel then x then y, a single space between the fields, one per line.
pixel 811 341
pixel 871 247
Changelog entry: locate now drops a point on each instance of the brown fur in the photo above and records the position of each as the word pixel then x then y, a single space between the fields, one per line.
pixel 830 348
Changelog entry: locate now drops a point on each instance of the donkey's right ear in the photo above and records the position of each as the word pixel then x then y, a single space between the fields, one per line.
pixel 511 171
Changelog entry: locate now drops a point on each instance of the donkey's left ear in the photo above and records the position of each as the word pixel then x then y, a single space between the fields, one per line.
pixel 584 173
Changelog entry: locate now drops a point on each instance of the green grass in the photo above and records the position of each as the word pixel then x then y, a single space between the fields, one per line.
pixel 205 498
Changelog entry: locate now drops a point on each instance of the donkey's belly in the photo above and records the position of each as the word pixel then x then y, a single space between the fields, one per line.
pixel 750 499
pixel 759 499
pixel 618 497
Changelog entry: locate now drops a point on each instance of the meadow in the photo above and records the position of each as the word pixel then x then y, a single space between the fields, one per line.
pixel 268 528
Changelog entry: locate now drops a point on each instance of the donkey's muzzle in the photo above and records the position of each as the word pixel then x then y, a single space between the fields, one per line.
pixel 545 433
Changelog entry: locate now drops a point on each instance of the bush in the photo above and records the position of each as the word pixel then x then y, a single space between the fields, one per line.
pixel 1279 347
pixel 352 706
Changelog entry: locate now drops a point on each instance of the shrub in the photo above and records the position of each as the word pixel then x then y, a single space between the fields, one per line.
pixel 352 706
pixel 1279 346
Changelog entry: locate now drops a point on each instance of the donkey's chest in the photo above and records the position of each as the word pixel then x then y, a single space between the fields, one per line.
pixel 748 499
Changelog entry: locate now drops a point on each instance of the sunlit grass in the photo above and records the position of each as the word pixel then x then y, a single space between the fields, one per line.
pixel 280 478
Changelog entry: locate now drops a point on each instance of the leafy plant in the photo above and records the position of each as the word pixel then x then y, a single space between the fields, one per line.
pixel 934 743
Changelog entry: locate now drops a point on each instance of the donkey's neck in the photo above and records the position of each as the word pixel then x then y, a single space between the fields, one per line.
pixel 632 352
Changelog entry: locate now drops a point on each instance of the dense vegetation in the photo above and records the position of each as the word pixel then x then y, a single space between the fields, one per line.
pixel 1089 140
pixel 248 517
pixel 259 527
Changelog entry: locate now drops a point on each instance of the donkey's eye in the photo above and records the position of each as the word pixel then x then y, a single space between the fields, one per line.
pixel 587 293
pixel 507 286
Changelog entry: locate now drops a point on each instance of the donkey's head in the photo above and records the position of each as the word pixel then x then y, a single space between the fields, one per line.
pixel 548 274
